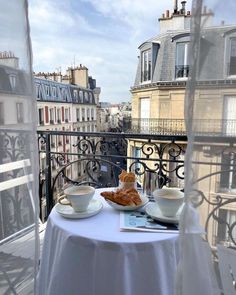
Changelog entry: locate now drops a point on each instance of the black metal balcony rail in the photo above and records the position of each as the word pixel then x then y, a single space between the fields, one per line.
pixel 98 158
pixel 181 71
pixel 202 127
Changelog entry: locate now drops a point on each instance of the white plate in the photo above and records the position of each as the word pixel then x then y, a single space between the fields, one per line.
pixel 94 207
pixel 129 208
pixel 154 211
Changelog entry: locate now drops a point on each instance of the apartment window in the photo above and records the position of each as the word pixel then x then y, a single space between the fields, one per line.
pixel 146 66
pixel 12 81
pixel 20 112
pixel 90 97
pixel 77 115
pixel 230 115
pixel 58 115
pixel 181 62
pixel 66 115
pixel 81 96
pixel 86 98
pixel 92 114
pixel 83 114
pixel 232 59
pixel 47 90
pixel 88 114
pixel 1 113
pixel 51 114
pixel 41 116
pixel 54 91
pixel 228 174
pixel 75 93
pixel 227 216
pixel 46 115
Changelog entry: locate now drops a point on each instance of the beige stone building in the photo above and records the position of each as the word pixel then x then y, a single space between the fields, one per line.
pixel 159 91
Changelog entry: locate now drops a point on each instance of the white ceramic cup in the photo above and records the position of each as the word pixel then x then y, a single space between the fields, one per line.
pixel 169 200
pixel 78 197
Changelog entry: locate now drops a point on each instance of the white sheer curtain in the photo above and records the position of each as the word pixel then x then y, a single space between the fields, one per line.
pixel 18 153
pixel 207 223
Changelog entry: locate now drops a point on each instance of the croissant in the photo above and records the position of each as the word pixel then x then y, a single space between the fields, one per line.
pixel 125 197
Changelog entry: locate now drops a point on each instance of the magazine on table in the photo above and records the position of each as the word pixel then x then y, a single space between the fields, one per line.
pixel 140 221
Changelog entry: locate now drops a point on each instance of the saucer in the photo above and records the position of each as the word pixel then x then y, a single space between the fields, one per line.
pixel 154 211
pixel 95 206
pixel 144 199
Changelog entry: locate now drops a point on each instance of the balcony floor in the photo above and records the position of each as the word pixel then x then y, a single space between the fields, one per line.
pixel 16 263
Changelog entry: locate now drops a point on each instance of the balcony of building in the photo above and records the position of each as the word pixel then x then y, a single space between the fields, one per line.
pixel 98 158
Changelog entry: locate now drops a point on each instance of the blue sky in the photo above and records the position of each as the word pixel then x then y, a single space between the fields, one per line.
pixel 103 35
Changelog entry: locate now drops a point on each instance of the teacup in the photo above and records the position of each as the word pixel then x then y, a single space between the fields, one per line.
pixel 78 197
pixel 169 200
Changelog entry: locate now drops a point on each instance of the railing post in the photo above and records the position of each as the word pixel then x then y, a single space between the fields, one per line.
pixel 48 176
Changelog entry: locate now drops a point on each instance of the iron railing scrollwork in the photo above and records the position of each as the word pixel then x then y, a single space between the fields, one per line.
pixel 98 158
pixel 15 205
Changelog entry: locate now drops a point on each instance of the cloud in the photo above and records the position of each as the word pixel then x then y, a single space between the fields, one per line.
pixel 102 34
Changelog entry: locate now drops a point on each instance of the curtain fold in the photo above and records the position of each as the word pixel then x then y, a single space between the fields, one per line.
pixel 19 240
pixel 210 117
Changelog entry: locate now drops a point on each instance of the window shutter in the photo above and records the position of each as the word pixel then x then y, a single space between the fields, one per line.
pixel 46 115
pixel 62 114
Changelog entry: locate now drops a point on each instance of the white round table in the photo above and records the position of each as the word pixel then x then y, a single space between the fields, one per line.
pixel 93 257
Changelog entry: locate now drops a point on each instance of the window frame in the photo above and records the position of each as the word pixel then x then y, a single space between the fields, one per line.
pixel 146 67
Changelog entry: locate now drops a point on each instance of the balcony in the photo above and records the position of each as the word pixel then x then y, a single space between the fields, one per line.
pixel 208 127
pixel 157 154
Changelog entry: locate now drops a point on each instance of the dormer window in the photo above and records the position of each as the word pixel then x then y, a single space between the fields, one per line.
pixel 12 81
pixel 146 66
pixel 181 62
pixel 232 59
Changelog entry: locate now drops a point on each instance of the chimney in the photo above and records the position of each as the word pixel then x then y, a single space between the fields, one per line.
pixel 183 7
pixel 175 6
pixel 204 10
pixel 167 13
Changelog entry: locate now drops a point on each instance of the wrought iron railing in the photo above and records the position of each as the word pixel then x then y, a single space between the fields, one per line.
pixel 206 127
pixel 157 126
pixel 98 158
pixel 181 71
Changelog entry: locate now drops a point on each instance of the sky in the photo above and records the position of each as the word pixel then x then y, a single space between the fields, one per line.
pixel 103 35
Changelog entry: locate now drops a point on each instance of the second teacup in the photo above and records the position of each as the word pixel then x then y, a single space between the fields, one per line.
pixel 169 200
pixel 78 197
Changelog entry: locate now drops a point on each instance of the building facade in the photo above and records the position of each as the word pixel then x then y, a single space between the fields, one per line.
pixel 160 86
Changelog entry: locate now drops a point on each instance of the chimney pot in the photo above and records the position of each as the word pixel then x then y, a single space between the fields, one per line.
pixel 183 7
pixel 167 13
pixel 188 12
pixel 175 6
pixel 163 15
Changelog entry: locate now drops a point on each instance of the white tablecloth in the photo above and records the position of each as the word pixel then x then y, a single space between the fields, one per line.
pixel 93 257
